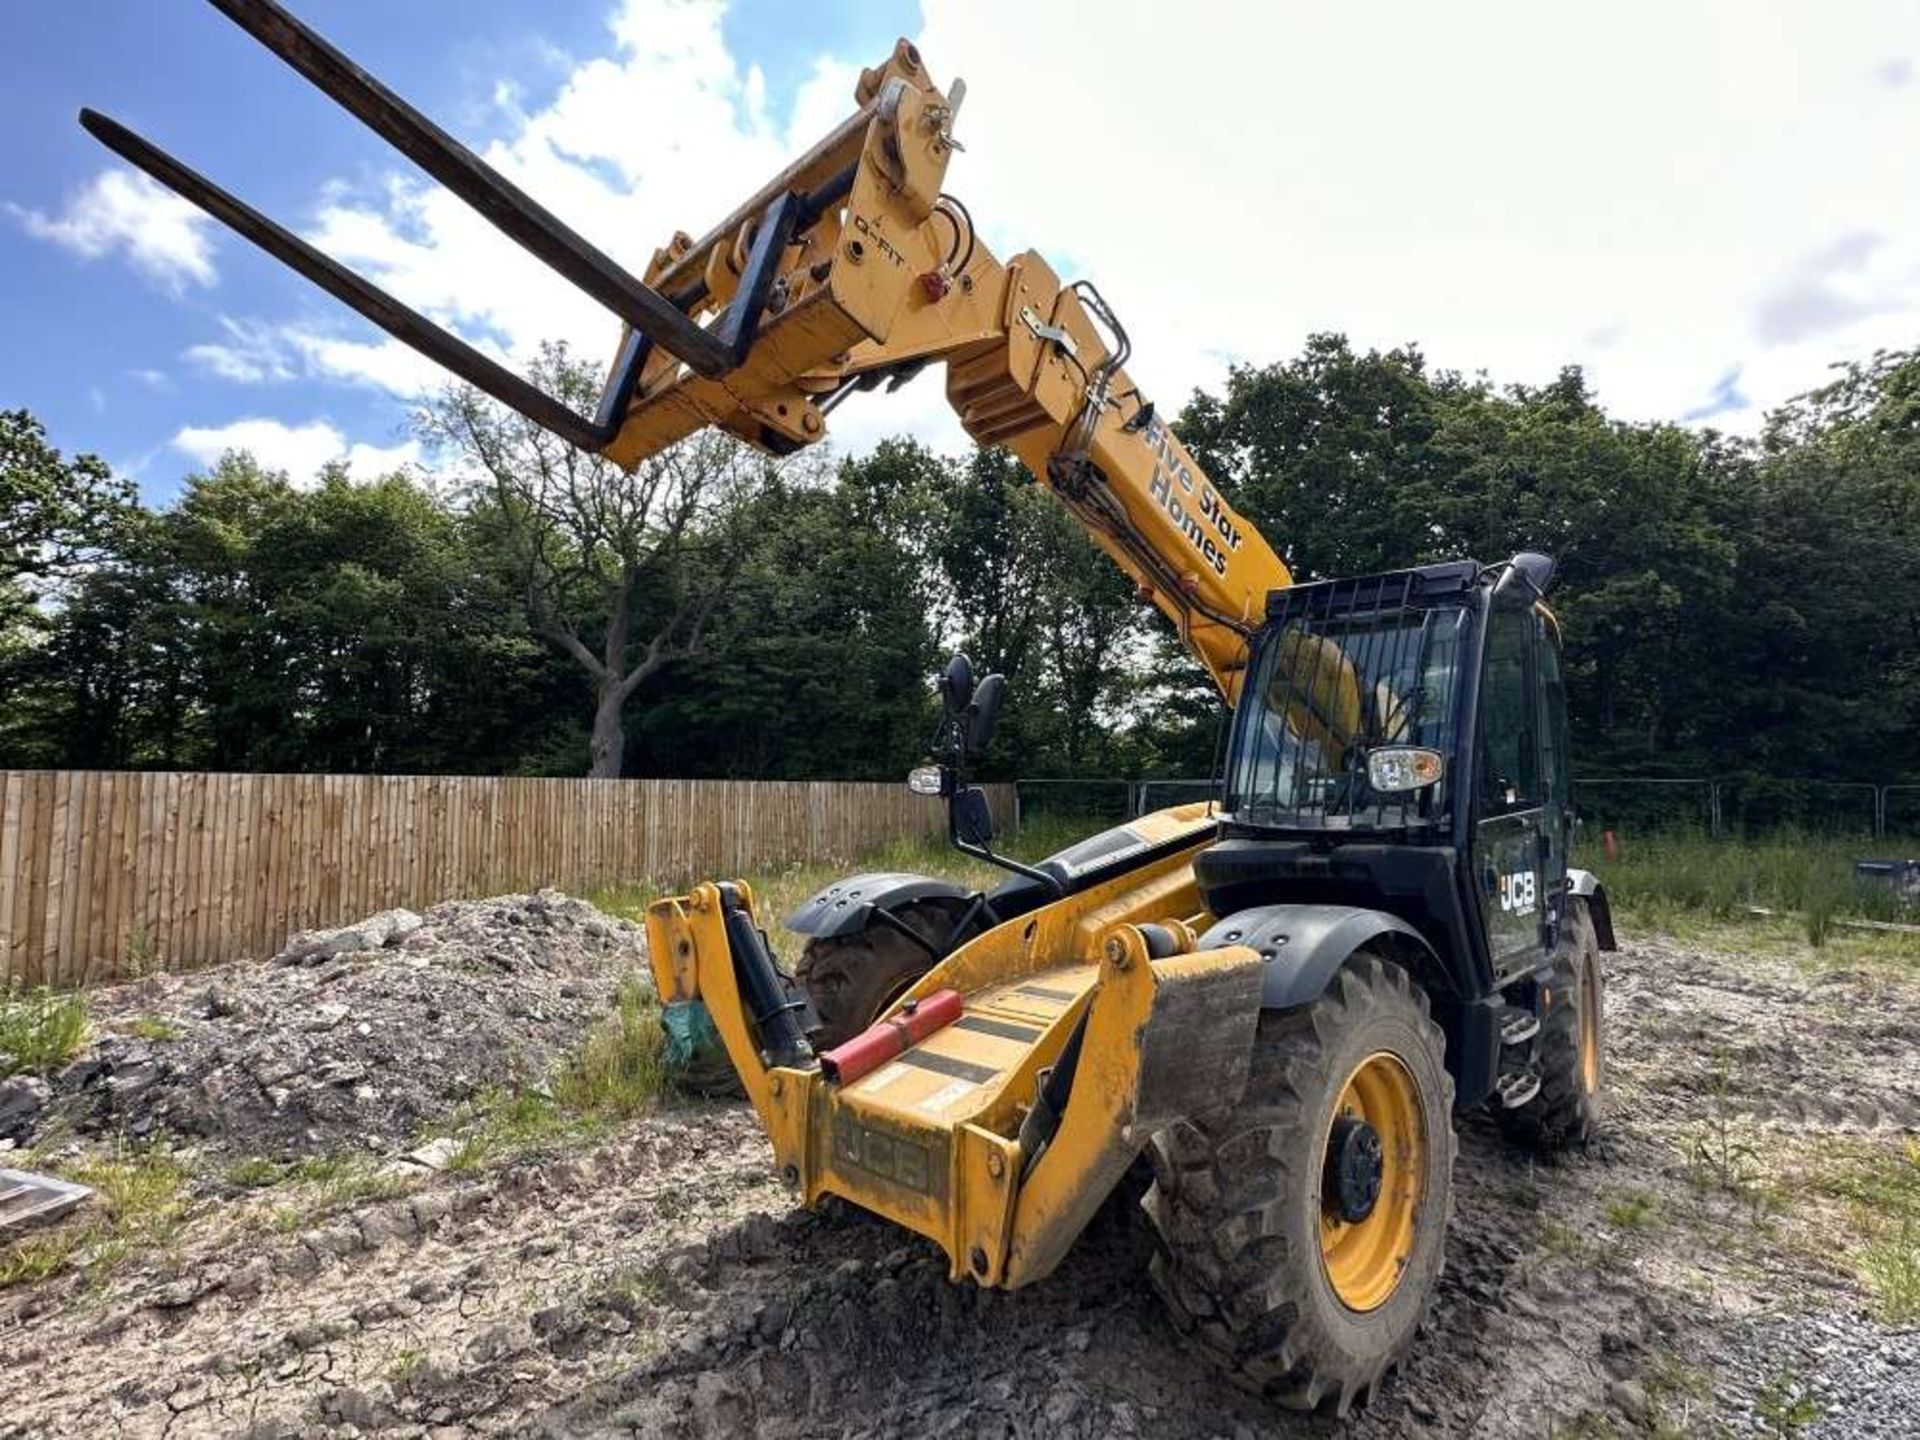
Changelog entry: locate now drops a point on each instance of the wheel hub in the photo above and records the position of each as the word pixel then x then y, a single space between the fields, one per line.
pixel 1372 1181
pixel 1355 1168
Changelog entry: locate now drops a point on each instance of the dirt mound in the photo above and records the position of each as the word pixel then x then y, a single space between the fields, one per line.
pixel 351 1039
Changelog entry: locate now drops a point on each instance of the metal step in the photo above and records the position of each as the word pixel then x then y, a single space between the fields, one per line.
pixel 1515 1088
pixel 27 1199
pixel 1517 1026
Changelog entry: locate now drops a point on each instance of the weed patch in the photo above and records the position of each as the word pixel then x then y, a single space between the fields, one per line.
pixel 1631 1210
pixel 40 1030
pixel 1667 878
pixel 153 1027
pixel 621 1069
pixel 139 1202
pixel 1880 1187
pixel 1785 1408
pixel 618 1073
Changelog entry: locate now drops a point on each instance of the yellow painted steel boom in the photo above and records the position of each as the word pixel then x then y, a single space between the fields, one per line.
pixel 897 278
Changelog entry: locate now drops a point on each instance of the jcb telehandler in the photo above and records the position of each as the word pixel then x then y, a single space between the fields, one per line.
pixel 1282 1001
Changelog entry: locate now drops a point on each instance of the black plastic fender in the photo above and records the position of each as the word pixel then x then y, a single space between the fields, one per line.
pixel 845 906
pixel 1303 945
pixel 1586 884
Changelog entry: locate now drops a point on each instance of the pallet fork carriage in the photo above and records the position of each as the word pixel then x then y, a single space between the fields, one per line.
pixel 1279 1001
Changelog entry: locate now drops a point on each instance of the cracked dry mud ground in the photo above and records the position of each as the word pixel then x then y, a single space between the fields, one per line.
pixel 660 1283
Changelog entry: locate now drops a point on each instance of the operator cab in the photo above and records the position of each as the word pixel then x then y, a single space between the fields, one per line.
pixel 1401 745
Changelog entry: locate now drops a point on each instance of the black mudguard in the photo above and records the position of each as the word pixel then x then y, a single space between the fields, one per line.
pixel 846 906
pixel 1303 946
pixel 1586 884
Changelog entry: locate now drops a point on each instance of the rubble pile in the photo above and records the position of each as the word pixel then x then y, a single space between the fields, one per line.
pixel 349 1039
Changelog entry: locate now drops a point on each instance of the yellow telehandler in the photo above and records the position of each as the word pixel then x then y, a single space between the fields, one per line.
pixel 1281 1000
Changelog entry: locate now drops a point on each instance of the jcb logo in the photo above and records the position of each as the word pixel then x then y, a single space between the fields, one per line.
pixel 1517 892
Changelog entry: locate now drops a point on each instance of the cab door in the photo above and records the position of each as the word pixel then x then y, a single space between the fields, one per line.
pixel 1512 836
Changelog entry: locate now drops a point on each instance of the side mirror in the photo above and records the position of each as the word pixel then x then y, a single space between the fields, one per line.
pixel 956 686
pixel 972 816
pixel 1529 568
pixel 984 714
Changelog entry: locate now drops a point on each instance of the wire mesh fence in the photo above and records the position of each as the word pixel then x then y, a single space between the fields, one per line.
pixel 1900 812
pixel 1084 804
pixel 1755 803
pixel 1631 805
pixel 1099 803
pixel 1713 805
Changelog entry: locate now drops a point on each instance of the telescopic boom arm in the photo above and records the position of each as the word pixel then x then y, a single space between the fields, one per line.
pixel 847 270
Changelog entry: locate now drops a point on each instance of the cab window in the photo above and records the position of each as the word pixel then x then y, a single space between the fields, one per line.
pixel 1509 737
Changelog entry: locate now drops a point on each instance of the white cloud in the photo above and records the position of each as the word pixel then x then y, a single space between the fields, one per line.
pixel 255 352
pixel 301 451
pixel 164 236
pixel 252 354
pixel 1512 186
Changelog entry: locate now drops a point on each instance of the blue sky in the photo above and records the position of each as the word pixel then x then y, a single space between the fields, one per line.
pixel 1704 202
pixel 98 345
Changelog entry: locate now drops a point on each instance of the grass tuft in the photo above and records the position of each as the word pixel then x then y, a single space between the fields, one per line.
pixel 139 1202
pixel 1881 1187
pixel 40 1030
pixel 1785 1407
pixel 621 1069
pixel 618 1072
pixel 153 1027
pixel 1630 1210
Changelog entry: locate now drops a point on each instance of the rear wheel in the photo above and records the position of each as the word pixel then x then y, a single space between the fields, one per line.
pixel 852 979
pixel 1571 1049
pixel 1301 1232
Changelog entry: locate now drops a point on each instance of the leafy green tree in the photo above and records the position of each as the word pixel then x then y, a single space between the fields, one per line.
pixel 619 573
pixel 822 648
pixel 57 515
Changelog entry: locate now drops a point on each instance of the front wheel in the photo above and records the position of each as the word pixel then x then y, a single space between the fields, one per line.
pixel 852 980
pixel 1301 1232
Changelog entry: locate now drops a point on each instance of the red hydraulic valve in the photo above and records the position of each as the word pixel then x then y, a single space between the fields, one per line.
pixel 884 1039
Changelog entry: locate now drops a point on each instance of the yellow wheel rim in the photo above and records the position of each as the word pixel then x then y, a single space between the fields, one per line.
pixel 1365 1258
pixel 1589 1027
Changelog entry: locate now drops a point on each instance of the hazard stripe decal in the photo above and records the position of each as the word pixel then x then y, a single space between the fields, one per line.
pixel 948 1065
pixel 1001 1029
pixel 1045 994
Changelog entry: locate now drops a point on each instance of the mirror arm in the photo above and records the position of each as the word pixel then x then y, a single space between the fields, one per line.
pixel 982 852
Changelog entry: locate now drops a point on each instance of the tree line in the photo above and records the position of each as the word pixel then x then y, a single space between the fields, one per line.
pixel 1729 604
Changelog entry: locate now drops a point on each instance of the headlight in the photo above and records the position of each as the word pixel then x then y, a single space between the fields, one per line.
pixel 927 780
pixel 1395 768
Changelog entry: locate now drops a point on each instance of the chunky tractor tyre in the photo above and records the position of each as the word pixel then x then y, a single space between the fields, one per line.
pixel 852 978
pixel 1301 1232
pixel 1571 1048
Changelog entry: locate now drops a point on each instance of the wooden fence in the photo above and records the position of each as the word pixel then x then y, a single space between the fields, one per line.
pixel 103 874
